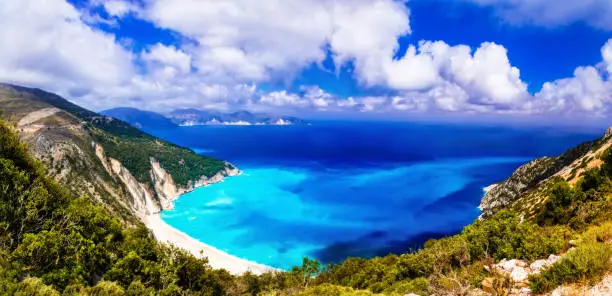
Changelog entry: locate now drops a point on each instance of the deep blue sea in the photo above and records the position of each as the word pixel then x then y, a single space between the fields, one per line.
pixel 333 190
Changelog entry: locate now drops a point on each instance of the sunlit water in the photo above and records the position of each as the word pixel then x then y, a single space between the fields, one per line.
pixel 331 191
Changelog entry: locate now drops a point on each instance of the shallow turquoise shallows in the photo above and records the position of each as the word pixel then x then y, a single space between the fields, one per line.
pixel 278 216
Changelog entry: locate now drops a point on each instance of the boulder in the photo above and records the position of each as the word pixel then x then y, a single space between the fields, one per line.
pixel 519 274
pixel 538 265
pixel 510 265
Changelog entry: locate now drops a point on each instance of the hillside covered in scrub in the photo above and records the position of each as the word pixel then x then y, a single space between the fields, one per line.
pixel 75 231
pixel 130 172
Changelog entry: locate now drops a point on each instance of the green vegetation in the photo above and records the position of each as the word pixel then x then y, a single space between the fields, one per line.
pixel 56 242
pixel 132 147
pixel 52 243
pixel 587 262
pixel 502 236
pixel 135 153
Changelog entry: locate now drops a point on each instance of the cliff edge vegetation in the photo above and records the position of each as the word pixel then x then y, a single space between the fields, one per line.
pixel 131 173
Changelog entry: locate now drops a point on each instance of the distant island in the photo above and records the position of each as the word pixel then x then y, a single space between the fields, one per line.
pixel 195 117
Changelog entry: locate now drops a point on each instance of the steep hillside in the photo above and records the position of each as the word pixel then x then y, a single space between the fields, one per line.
pixel 52 242
pixel 130 172
pixel 524 190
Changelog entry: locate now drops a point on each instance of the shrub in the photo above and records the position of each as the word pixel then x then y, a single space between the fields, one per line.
pixel 601 233
pixel 505 236
pixel 104 288
pixel 331 290
pixel 35 287
pixel 557 210
pixel 587 262
pixel 419 286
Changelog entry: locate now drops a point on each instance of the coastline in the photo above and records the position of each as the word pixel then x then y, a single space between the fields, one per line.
pixel 217 259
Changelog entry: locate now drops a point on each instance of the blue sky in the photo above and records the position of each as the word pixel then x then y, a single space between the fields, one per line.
pixel 528 60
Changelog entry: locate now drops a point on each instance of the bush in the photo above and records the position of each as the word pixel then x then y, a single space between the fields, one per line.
pixel 331 290
pixel 558 209
pixel 602 234
pixel 587 262
pixel 104 288
pixel 505 236
pixel 35 287
pixel 419 286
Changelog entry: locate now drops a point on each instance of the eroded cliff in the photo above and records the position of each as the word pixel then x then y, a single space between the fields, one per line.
pixel 527 187
pixel 65 139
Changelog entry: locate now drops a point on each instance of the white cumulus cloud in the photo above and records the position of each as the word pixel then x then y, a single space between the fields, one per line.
pixel 46 44
pixel 230 47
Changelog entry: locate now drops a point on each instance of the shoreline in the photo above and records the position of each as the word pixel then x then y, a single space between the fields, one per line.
pixel 217 259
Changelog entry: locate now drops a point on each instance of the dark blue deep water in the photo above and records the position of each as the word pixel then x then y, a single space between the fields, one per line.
pixel 333 190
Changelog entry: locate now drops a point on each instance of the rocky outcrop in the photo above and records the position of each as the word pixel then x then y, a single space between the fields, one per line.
pixel 522 192
pixel 511 277
pixel 500 195
pixel 63 136
pixel 167 191
pixel 146 200
pixel 603 288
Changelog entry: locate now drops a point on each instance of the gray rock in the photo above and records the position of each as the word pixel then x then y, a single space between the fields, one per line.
pixel 519 274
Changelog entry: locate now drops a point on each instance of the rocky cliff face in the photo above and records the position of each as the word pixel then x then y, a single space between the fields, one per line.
pixel 500 195
pixel 526 188
pixel 145 200
pixel 72 156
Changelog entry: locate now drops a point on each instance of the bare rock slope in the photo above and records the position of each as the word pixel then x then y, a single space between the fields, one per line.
pixel 525 190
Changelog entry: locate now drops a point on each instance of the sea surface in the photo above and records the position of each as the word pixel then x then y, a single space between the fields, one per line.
pixel 334 190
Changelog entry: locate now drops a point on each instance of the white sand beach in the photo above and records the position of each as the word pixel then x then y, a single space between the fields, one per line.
pixel 217 258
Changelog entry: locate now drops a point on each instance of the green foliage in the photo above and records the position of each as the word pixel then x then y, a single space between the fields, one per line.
pixel 136 288
pixel 505 236
pixel 136 152
pixel 557 209
pixel 331 290
pixel 35 287
pixel 104 288
pixel 601 233
pixel 578 206
pixel 309 269
pixel 501 236
pixel 587 262
pixel 71 244
pixel 133 147
pixel 419 286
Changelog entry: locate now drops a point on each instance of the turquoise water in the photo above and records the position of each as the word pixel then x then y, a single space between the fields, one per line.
pixel 335 190
pixel 277 216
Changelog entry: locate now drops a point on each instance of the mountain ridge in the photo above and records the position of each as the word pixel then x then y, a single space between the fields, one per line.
pixel 194 117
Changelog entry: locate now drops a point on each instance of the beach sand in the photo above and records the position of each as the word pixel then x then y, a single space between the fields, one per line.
pixel 216 258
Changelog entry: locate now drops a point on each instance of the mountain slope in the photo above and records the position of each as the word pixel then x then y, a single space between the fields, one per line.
pixel 130 172
pixel 51 241
pixel 523 190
